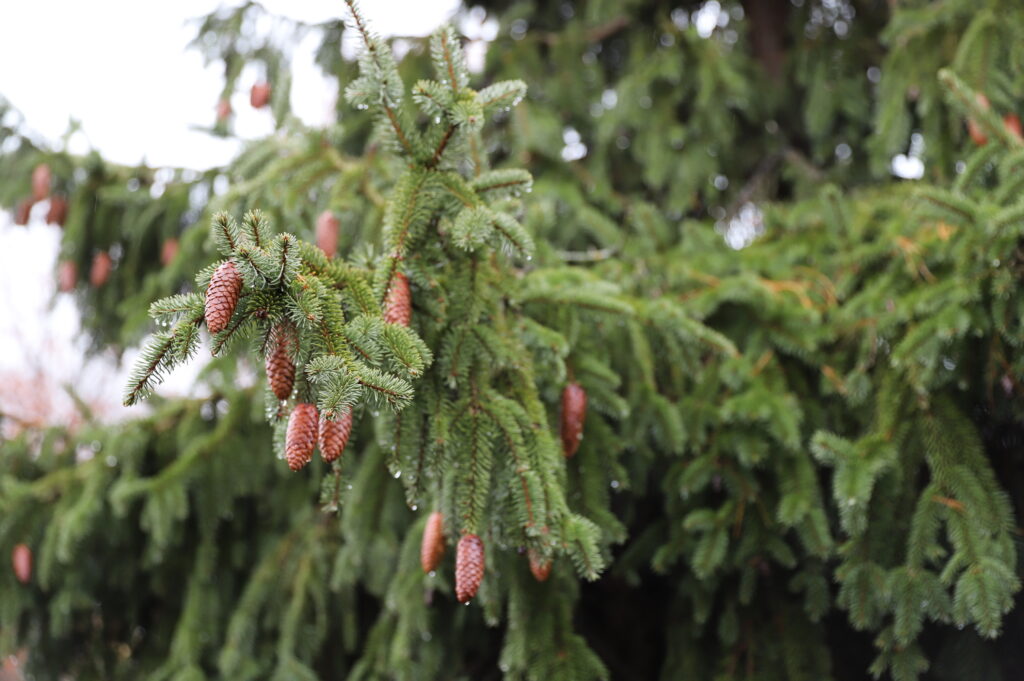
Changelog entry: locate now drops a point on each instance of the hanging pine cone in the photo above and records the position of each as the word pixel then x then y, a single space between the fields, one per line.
pixel 432 547
pixel 574 411
pixel 100 270
pixel 398 305
pixel 67 276
pixel 41 179
pixel 23 212
pixel 301 436
pixel 223 109
pixel 976 132
pixel 327 227
pixel 469 567
pixel 168 251
pixel 58 210
pixel 334 436
pixel 222 296
pixel 1012 123
pixel 539 566
pixel 21 561
pixel 259 95
pixel 280 368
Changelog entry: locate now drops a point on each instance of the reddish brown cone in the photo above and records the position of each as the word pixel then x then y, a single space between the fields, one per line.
pixel 100 270
pixel 540 567
pixel 41 182
pixel 58 210
pixel 469 567
pixel 21 561
pixel 398 305
pixel 168 251
pixel 223 109
pixel 67 276
pixel 973 129
pixel 280 368
pixel 301 436
pixel 23 212
pixel 574 412
pixel 327 227
pixel 259 95
pixel 222 296
pixel 1012 123
pixel 432 547
pixel 334 436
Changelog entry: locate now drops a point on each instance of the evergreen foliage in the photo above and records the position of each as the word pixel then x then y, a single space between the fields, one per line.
pixel 800 459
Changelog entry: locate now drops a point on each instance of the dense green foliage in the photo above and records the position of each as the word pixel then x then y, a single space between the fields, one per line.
pixel 802 459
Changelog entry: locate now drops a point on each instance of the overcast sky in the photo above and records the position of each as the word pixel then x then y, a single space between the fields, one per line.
pixel 120 67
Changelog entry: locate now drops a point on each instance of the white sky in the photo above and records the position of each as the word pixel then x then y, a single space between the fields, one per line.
pixel 120 67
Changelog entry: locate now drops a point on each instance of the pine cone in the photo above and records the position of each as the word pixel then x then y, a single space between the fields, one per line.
pixel 58 211
pixel 222 296
pixel 223 109
pixel 21 560
pixel 398 306
pixel 41 182
pixel 1012 124
pixel 334 436
pixel 301 436
pixel 469 567
pixel 977 134
pixel 574 411
pixel 168 251
pixel 327 227
pixel 280 368
pixel 100 270
pixel 259 95
pixel 432 547
pixel 540 567
pixel 23 212
pixel 67 276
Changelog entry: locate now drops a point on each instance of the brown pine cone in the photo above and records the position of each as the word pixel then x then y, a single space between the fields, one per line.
pixel 301 436
pixel 100 270
pixel 41 178
pixel 540 567
pixel 21 561
pixel 327 226
pixel 67 276
pixel 574 412
pixel 168 251
pixel 223 109
pixel 280 368
pixel 23 212
pixel 976 132
pixel 259 95
pixel 432 547
pixel 222 296
pixel 398 305
pixel 334 436
pixel 58 210
pixel 469 567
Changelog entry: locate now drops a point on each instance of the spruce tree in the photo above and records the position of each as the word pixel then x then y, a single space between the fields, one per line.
pixel 653 340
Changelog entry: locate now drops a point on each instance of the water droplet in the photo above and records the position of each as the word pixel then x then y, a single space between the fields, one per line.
pixel 414 507
pixel 398 475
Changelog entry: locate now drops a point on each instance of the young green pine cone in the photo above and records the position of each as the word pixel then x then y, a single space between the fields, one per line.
pixel 300 440
pixel 432 547
pixel 469 567
pixel 327 227
pixel 398 305
pixel 222 296
pixel 540 567
pixel 334 436
pixel 574 411
pixel 280 368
